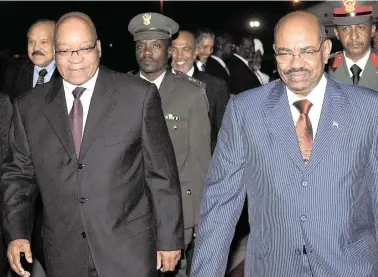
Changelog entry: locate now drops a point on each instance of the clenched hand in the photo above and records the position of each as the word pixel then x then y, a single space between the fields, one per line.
pixel 167 260
pixel 14 253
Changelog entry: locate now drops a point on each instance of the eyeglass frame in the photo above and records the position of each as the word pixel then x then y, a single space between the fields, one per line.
pixel 299 54
pixel 90 49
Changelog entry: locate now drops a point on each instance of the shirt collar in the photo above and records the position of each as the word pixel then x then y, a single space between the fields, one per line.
pixel 89 85
pixel 243 60
pixel 50 67
pixel 219 60
pixel 361 63
pixel 157 81
pixel 316 96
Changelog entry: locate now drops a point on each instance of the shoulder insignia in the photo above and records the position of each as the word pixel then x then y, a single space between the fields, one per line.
pixel 374 59
pixel 190 79
pixel 337 61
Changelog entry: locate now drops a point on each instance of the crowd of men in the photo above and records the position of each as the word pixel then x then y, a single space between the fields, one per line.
pixel 148 173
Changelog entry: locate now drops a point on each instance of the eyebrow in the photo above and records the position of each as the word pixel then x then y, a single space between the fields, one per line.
pixel 290 50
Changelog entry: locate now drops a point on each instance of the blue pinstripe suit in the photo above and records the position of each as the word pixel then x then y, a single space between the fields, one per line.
pixel 330 206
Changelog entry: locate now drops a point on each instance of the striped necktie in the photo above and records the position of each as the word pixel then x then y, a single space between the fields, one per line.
pixel 41 77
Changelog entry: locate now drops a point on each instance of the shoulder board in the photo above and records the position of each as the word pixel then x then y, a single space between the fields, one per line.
pixel 337 60
pixel 190 79
pixel 132 72
pixel 374 59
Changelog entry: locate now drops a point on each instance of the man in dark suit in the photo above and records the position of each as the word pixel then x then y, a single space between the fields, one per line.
pixel 23 75
pixel 5 119
pixel 183 56
pixel 305 156
pixel 205 46
pixel 242 77
pixel 98 146
pixel 216 64
pixel 185 106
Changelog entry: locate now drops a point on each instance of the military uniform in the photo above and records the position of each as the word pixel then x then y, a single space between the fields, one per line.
pixel 185 106
pixel 352 14
pixel 368 78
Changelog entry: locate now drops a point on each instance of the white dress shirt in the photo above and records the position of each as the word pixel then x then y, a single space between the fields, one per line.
pixel 85 97
pixel 361 63
pixel 242 59
pixel 157 81
pixel 316 97
pixel 199 65
pixel 51 67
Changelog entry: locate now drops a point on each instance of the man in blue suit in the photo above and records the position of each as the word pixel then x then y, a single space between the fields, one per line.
pixel 303 150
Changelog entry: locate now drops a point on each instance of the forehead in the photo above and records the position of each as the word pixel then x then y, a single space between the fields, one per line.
pixel 74 27
pixel 184 39
pixel 41 29
pixel 150 41
pixel 207 40
pixel 299 31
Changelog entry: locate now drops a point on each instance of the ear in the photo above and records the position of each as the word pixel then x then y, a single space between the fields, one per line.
pixel 98 45
pixel 336 33
pixel 169 52
pixel 327 47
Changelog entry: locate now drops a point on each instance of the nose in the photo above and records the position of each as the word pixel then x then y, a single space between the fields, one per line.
pixel 353 34
pixel 75 58
pixel 297 61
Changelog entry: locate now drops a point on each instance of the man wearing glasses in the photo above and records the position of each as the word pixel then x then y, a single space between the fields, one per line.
pixel 95 145
pixel 357 63
pixel 303 151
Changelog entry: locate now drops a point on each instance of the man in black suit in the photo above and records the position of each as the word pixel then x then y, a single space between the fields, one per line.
pixel 5 119
pixel 204 38
pixel 242 77
pixel 98 146
pixel 216 64
pixel 40 68
pixel 183 56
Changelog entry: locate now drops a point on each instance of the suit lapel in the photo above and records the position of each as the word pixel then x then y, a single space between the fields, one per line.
pixel 166 90
pixel 57 114
pixel 334 119
pixel 280 123
pixel 342 73
pixel 28 81
pixel 99 109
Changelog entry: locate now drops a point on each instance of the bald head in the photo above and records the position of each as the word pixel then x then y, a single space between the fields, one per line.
pixel 296 18
pixel 187 36
pixel 78 17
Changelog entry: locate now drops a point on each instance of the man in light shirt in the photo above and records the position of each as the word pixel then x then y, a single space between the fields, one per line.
pixel 95 145
pixel 357 63
pixel 303 151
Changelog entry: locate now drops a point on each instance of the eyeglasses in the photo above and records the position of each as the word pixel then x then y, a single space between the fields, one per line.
pixel 69 53
pixel 286 57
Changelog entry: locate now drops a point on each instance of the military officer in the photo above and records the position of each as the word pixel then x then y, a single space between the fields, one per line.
pixel 357 63
pixel 186 108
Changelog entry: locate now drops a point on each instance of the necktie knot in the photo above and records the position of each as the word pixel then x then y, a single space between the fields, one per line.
pixel 356 70
pixel 42 72
pixel 77 92
pixel 303 106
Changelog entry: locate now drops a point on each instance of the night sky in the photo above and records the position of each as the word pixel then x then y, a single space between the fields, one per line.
pixel 112 18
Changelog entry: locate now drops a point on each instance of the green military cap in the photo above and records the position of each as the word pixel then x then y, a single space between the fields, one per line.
pixel 351 13
pixel 147 26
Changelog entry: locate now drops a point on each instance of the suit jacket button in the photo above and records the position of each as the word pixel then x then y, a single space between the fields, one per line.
pixel 188 192
pixel 80 166
pixel 82 200
pixel 83 235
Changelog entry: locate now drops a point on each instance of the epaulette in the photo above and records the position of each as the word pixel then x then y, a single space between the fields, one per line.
pixel 192 80
pixel 132 72
pixel 336 60
pixel 374 59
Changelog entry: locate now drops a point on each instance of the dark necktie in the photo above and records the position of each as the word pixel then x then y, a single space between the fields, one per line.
pixel 356 70
pixel 76 118
pixel 304 129
pixel 203 67
pixel 41 77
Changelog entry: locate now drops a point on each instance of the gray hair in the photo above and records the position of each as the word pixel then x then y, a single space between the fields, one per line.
pixel 202 33
pixel 322 31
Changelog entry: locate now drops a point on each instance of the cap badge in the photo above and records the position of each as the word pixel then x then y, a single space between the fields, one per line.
pixel 349 5
pixel 146 19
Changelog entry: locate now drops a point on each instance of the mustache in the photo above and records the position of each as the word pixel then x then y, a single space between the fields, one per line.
pixel 37 52
pixel 355 43
pixel 293 70
pixel 147 59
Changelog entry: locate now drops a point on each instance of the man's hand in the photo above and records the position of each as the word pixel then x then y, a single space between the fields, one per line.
pixel 14 254
pixel 167 260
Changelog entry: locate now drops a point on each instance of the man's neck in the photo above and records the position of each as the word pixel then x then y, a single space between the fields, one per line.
pixel 152 76
pixel 356 59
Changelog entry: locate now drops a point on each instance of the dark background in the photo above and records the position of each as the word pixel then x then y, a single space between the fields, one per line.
pixel 112 17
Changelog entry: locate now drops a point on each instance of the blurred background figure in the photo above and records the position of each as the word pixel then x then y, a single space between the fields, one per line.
pixel 205 46
pixel 257 62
